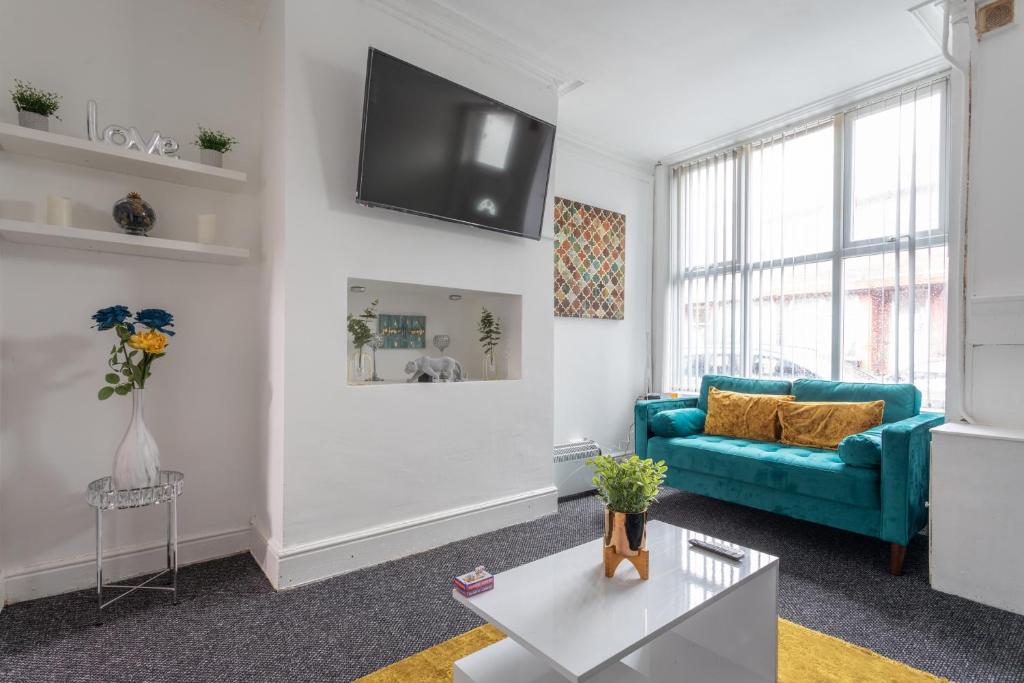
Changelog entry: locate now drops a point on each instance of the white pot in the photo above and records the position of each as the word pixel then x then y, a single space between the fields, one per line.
pixel 30 119
pixel 211 157
pixel 137 462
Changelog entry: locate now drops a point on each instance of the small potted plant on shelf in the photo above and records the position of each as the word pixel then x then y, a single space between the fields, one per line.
pixel 627 486
pixel 213 144
pixel 362 334
pixel 490 335
pixel 35 106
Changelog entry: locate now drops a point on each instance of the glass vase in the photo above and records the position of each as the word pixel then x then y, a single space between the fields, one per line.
pixel 360 366
pixel 137 461
pixel 489 367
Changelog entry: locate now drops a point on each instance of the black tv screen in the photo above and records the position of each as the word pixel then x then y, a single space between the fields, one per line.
pixel 434 148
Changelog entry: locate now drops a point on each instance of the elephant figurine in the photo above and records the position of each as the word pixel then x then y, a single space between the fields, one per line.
pixel 434 368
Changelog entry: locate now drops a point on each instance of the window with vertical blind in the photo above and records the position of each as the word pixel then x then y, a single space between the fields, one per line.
pixel 817 252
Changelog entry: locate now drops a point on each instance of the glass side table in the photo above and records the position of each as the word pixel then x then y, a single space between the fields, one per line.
pixel 102 495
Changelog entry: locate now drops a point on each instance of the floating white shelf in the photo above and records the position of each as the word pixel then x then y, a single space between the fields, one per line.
pixel 81 152
pixel 404 383
pixel 24 232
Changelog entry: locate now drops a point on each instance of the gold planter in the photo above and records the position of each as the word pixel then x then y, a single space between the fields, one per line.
pixel 625 538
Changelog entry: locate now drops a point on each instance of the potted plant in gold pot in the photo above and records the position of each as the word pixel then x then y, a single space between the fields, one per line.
pixel 627 486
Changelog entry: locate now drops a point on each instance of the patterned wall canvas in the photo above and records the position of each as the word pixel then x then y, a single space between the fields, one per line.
pixel 403 331
pixel 590 261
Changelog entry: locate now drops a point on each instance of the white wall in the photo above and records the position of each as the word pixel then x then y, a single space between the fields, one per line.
pixel 995 241
pixel 268 520
pixel 361 463
pixel 154 65
pixel 251 402
pixel 3 565
pixel 976 468
pixel 601 365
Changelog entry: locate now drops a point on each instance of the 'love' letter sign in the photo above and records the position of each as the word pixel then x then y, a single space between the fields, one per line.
pixel 129 138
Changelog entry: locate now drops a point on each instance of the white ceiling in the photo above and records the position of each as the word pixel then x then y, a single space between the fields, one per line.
pixel 249 11
pixel 664 75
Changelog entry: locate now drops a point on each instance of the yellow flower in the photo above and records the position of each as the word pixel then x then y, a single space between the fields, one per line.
pixel 150 342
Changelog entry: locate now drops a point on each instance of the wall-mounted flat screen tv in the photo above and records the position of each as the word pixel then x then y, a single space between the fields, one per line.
pixel 435 148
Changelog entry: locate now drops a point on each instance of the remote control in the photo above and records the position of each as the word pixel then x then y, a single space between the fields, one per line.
pixel 731 553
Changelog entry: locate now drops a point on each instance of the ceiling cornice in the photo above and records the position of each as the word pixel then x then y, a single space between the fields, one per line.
pixel 459 31
pixel 930 15
pixel 820 108
pixel 605 154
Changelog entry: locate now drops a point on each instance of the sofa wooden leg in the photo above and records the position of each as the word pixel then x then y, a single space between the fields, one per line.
pixel 897 553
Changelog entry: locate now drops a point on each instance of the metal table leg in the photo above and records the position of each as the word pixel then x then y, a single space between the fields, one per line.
pixel 99 564
pixel 172 546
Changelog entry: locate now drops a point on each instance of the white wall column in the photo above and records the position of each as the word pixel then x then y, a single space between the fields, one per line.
pixel 660 276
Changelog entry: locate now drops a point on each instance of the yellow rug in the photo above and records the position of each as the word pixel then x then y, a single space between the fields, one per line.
pixel 805 656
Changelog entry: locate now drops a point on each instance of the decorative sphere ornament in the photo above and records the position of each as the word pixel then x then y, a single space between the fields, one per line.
pixel 134 215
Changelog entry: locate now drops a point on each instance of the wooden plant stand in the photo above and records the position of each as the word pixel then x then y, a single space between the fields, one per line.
pixel 612 560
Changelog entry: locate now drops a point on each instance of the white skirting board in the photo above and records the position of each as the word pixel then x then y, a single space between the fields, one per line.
pixel 79 572
pixel 265 553
pixel 301 564
pixel 293 566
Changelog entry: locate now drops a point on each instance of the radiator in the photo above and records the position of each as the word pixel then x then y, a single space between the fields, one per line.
pixel 576 450
pixel 571 474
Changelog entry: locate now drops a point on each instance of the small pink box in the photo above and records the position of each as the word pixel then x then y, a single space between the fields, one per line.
pixel 476 581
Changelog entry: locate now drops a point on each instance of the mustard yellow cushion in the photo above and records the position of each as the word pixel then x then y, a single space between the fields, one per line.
pixel 746 416
pixel 825 424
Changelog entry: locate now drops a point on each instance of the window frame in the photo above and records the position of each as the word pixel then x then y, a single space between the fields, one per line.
pixel 844 247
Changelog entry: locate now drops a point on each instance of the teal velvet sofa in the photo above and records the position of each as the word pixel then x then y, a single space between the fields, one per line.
pixel 875 484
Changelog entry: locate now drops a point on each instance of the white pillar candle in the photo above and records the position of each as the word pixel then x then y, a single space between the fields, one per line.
pixel 58 210
pixel 207 228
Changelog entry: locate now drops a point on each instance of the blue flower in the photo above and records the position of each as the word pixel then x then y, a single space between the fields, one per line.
pixel 155 319
pixel 107 318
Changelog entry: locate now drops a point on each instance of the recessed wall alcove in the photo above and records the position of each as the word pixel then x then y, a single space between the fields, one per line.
pixel 411 314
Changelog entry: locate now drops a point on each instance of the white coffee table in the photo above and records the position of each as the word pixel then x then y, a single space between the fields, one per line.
pixel 700 617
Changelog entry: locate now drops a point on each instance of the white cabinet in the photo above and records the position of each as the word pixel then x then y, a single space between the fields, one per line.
pixel 977 514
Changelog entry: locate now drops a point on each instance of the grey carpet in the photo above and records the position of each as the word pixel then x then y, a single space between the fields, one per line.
pixel 231 626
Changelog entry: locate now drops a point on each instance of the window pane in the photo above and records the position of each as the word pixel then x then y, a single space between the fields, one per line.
pixel 791 196
pixel 754 251
pixel 896 149
pixel 791 321
pixel 930 325
pixel 928 149
pixel 706 202
pixel 709 343
pixel 879 307
pixel 707 289
pixel 869 284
